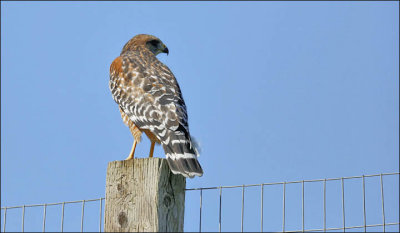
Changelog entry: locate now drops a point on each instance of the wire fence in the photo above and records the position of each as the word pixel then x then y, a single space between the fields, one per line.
pixel 327 202
pixel 46 205
pixel 285 210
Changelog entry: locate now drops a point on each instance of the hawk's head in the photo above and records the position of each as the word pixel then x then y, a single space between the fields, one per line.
pixel 149 42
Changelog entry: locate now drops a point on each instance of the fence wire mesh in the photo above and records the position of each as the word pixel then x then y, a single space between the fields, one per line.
pixel 61 215
pixel 357 203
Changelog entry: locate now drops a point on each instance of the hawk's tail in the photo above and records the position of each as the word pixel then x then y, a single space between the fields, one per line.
pixel 182 156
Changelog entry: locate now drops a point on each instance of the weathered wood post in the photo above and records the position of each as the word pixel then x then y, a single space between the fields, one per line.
pixel 143 195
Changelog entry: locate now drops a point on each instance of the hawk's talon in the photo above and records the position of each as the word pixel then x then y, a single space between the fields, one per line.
pixel 132 154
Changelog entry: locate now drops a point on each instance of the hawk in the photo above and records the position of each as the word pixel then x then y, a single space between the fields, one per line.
pixel 150 101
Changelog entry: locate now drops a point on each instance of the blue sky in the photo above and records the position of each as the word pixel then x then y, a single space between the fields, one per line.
pixel 275 91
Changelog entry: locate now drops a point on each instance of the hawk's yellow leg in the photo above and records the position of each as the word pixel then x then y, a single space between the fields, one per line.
pixel 132 151
pixel 152 149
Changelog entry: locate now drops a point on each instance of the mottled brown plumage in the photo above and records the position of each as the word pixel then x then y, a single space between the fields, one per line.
pixel 150 101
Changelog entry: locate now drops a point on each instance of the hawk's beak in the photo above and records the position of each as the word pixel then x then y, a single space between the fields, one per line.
pixel 165 50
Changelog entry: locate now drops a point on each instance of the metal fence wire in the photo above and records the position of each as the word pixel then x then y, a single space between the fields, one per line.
pixel 222 217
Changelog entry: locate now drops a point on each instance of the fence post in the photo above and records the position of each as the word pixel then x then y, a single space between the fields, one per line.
pixel 143 195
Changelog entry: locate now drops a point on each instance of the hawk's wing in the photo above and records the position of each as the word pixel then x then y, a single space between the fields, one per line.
pixel 149 94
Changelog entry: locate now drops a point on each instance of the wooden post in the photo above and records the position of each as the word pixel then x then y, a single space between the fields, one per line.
pixel 143 195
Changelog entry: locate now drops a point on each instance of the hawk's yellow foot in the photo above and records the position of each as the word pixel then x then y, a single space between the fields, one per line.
pixel 131 155
pixel 152 149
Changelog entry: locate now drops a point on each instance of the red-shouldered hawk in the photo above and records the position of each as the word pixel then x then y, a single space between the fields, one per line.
pixel 150 101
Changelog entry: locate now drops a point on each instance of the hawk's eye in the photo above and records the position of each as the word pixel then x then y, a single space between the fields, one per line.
pixel 153 43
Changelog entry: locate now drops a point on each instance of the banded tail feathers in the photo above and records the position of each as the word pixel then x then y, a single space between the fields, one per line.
pixel 181 154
